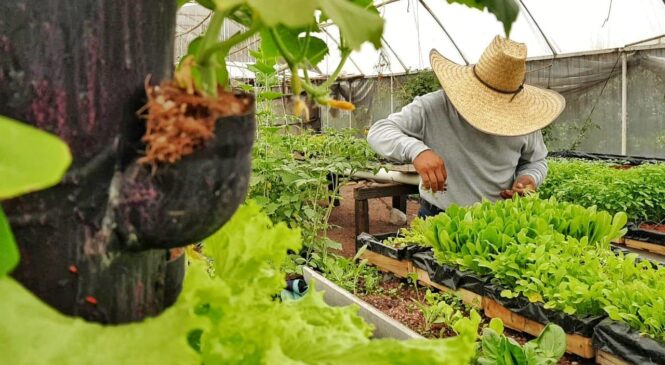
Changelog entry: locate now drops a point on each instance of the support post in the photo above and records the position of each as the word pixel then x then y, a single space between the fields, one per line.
pixel 399 202
pixel 624 106
pixel 362 216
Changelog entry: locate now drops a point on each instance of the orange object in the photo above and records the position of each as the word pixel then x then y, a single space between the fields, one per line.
pixel 91 300
pixel 73 269
pixel 341 104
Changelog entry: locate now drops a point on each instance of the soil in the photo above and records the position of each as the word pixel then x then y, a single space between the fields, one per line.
pixel 342 219
pixel 660 228
pixel 397 300
pixel 178 121
pixel 622 167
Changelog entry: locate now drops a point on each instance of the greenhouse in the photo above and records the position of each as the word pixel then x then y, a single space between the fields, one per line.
pixel 332 182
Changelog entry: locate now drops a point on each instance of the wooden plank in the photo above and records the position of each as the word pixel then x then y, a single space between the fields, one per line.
pixel 645 246
pixel 399 202
pixel 605 358
pixel 576 344
pixel 384 326
pixel 383 190
pixel 401 268
pixel 467 296
pixel 362 216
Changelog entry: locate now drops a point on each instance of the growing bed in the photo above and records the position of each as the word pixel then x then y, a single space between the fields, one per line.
pixel 528 313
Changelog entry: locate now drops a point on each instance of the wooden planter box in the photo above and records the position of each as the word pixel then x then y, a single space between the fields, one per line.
pixel 575 343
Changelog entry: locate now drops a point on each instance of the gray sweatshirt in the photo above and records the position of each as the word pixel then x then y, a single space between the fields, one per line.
pixel 479 165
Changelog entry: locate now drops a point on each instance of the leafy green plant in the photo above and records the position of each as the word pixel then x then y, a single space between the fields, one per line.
pixel 419 84
pixel 353 275
pixel 409 236
pixel 497 349
pixel 30 160
pixel 291 174
pixel 228 317
pixel 556 254
pixel 639 191
pixel 439 308
pixel 288 32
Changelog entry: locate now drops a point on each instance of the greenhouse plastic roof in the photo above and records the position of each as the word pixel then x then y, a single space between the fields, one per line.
pixel 414 27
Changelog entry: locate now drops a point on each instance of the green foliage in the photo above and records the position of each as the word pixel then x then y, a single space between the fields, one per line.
pixel 441 308
pixel 546 349
pixel 424 82
pixel 287 30
pixel 30 160
pixel 639 191
pixel 554 253
pixel 409 236
pixel 290 176
pixel 353 275
pixel 505 10
pixel 228 317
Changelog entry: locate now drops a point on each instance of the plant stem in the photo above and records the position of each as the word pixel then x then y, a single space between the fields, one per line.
pixel 335 74
pixel 226 46
pixel 208 74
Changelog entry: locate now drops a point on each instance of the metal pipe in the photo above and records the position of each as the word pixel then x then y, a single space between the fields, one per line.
pixel 388 176
pixel 436 19
pixel 554 53
pixel 383 40
pixel 624 97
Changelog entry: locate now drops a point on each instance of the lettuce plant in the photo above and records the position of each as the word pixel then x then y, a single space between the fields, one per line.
pixel 639 191
pixel 553 253
pixel 30 160
pixel 225 315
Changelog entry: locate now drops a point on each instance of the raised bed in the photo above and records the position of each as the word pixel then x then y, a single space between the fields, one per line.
pixel 618 344
pixel 636 238
pixel 630 160
pixel 519 315
pixel 644 240
pixel 384 326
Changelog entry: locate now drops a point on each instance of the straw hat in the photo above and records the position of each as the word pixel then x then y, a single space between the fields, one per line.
pixel 491 95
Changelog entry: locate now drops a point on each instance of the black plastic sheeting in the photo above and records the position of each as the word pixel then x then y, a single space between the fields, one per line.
pixel 455 279
pixel 630 160
pixel 638 234
pixel 448 275
pixel 375 244
pixel 583 326
pixel 620 340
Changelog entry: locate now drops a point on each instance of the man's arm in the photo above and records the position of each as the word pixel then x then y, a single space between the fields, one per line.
pixel 399 137
pixel 532 167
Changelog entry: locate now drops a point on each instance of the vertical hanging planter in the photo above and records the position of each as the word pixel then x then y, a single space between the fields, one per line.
pixel 95 245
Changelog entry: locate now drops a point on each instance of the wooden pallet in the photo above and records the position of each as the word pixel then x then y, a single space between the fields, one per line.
pixel 644 246
pixel 575 344
pixel 468 297
pixel 401 268
pixel 605 358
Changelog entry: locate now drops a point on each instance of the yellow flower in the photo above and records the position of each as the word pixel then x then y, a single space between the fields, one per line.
pixel 340 104
pixel 300 109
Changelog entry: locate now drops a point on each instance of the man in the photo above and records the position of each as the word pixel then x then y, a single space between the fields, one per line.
pixel 479 137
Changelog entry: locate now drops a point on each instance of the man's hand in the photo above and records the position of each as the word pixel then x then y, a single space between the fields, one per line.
pixel 522 185
pixel 432 170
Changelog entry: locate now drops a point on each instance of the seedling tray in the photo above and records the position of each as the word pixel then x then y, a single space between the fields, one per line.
pixel 631 160
pixel 375 244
